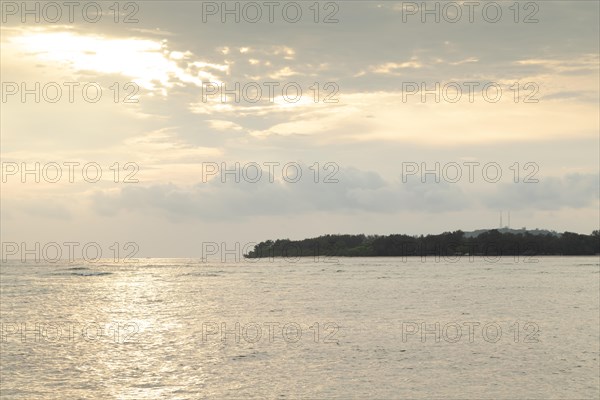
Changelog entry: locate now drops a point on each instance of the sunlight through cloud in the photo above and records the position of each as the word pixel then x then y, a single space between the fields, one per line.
pixel 149 63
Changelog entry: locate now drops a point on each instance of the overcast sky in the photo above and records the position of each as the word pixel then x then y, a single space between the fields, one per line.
pixel 362 121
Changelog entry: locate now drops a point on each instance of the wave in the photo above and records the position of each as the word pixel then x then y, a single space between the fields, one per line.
pixel 91 273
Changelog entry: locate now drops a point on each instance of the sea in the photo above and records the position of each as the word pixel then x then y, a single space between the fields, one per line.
pixel 328 328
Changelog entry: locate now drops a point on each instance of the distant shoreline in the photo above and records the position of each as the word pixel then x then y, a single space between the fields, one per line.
pixel 483 243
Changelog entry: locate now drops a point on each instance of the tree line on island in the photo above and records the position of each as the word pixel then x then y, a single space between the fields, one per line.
pixel 491 243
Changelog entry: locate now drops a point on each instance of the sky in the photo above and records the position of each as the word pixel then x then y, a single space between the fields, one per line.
pixel 174 124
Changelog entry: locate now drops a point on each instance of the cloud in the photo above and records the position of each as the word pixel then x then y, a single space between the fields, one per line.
pixel 355 191
pixel 585 63
pixel 222 125
pixel 394 116
pixel 552 193
pixel 148 62
pixel 283 73
pixel 393 67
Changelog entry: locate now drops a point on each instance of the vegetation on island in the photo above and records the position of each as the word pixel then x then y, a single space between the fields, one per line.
pixel 488 243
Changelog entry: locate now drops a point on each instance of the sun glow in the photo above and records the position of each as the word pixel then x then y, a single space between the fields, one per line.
pixel 148 63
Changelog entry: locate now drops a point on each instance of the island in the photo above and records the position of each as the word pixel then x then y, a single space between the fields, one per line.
pixel 484 242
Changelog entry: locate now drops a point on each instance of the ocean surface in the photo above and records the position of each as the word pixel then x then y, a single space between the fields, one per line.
pixel 351 328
